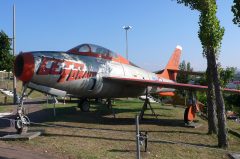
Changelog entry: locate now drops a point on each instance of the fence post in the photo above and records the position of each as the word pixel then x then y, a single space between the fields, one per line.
pixel 137 138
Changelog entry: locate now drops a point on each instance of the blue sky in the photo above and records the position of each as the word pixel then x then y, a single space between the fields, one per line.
pixel 158 26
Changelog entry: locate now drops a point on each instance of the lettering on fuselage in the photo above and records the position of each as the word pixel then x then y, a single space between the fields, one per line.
pixel 68 70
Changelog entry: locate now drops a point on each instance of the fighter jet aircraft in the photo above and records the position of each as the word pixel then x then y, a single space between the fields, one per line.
pixel 91 71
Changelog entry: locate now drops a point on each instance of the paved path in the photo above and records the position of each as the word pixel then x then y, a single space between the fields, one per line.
pixel 10 151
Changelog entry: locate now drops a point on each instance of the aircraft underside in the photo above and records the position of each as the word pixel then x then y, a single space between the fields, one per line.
pixel 94 90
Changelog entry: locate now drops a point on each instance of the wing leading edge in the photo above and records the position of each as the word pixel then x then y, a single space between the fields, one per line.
pixel 145 83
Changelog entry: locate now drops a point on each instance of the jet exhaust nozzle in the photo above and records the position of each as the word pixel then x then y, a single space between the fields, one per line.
pixel 24 67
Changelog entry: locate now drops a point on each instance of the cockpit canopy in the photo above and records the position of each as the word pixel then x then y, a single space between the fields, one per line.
pixel 94 49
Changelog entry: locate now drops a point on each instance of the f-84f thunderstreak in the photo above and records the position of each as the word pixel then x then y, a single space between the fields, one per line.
pixel 90 71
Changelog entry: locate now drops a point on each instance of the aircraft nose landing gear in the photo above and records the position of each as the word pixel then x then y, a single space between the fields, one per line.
pixel 22 121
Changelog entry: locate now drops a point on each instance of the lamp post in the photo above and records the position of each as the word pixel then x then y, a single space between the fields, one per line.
pixel 13 40
pixel 126 28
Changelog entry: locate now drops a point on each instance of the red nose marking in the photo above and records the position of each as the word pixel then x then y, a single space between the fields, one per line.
pixel 24 67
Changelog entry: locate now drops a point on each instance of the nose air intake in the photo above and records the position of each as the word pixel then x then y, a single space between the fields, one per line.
pixel 24 67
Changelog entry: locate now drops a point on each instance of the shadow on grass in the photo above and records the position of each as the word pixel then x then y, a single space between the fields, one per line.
pixel 131 140
pixel 4 157
pixel 88 136
pixel 122 151
pixel 184 143
pixel 99 114
pixel 181 132
pixel 3 133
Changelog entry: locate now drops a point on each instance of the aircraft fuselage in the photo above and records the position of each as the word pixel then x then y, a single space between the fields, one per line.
pixel 81 75
pixel 88 71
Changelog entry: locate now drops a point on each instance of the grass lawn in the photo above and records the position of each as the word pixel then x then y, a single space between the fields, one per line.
pixel 234 125
pixel 6 109
pixel 96 134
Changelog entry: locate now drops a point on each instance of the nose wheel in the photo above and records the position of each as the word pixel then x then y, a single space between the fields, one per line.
pixel 21 124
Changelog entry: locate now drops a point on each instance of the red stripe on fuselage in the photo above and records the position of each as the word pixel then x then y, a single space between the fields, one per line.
pixel 68 70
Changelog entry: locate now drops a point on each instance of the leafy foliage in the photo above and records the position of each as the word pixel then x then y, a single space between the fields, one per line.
pixel 226 75
pixel 194 4
pixel 6 58
pixel 236 12
pixel 184 77
pixel 210 32
pixel 232 101
pixel 202 96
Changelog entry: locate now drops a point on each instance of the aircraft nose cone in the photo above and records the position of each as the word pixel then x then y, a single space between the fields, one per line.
pixel 24 67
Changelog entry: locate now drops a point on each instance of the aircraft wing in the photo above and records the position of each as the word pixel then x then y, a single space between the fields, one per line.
pixel 145 83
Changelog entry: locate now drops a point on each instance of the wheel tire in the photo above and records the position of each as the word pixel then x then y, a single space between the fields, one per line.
pixel 186 121
pixel 85 106
pixel 20 127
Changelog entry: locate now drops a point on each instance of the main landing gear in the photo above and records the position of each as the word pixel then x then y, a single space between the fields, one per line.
pixel 84 105
pixel 145 106
pixel 22 121
pixel 109 106
pixel 191 110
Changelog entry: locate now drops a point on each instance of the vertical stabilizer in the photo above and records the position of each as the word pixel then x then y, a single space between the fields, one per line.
pixel 170 71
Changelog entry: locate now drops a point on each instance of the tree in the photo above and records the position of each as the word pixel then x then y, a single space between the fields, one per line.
pixel 6 58
pixel 226 75
pixel 210 35
pixel 236 12
pixel 184 77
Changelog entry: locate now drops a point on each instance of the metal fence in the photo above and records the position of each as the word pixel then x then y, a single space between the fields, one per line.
pixel 6 86
pixel 6 80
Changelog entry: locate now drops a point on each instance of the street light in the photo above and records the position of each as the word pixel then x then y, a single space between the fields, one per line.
pixel 126 28
pixel 13 40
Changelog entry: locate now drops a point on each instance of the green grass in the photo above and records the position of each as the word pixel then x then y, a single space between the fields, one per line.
pixel 234 125
pixel 6 109
pixel 96 134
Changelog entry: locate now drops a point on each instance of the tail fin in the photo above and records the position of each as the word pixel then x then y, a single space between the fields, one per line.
pixel 170 71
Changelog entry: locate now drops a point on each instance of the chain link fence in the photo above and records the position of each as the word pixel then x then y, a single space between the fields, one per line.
pixel 6 85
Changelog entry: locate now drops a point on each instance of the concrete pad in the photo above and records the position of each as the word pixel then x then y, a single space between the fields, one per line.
pixel 25 136
pixel 234 155
pixel 5 114
pixel 193 125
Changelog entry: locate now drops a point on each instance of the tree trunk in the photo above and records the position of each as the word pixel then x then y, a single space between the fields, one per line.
pixel 222 131
pixel 211 105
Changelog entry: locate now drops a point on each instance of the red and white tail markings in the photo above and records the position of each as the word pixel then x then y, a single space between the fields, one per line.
pixel 170 71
